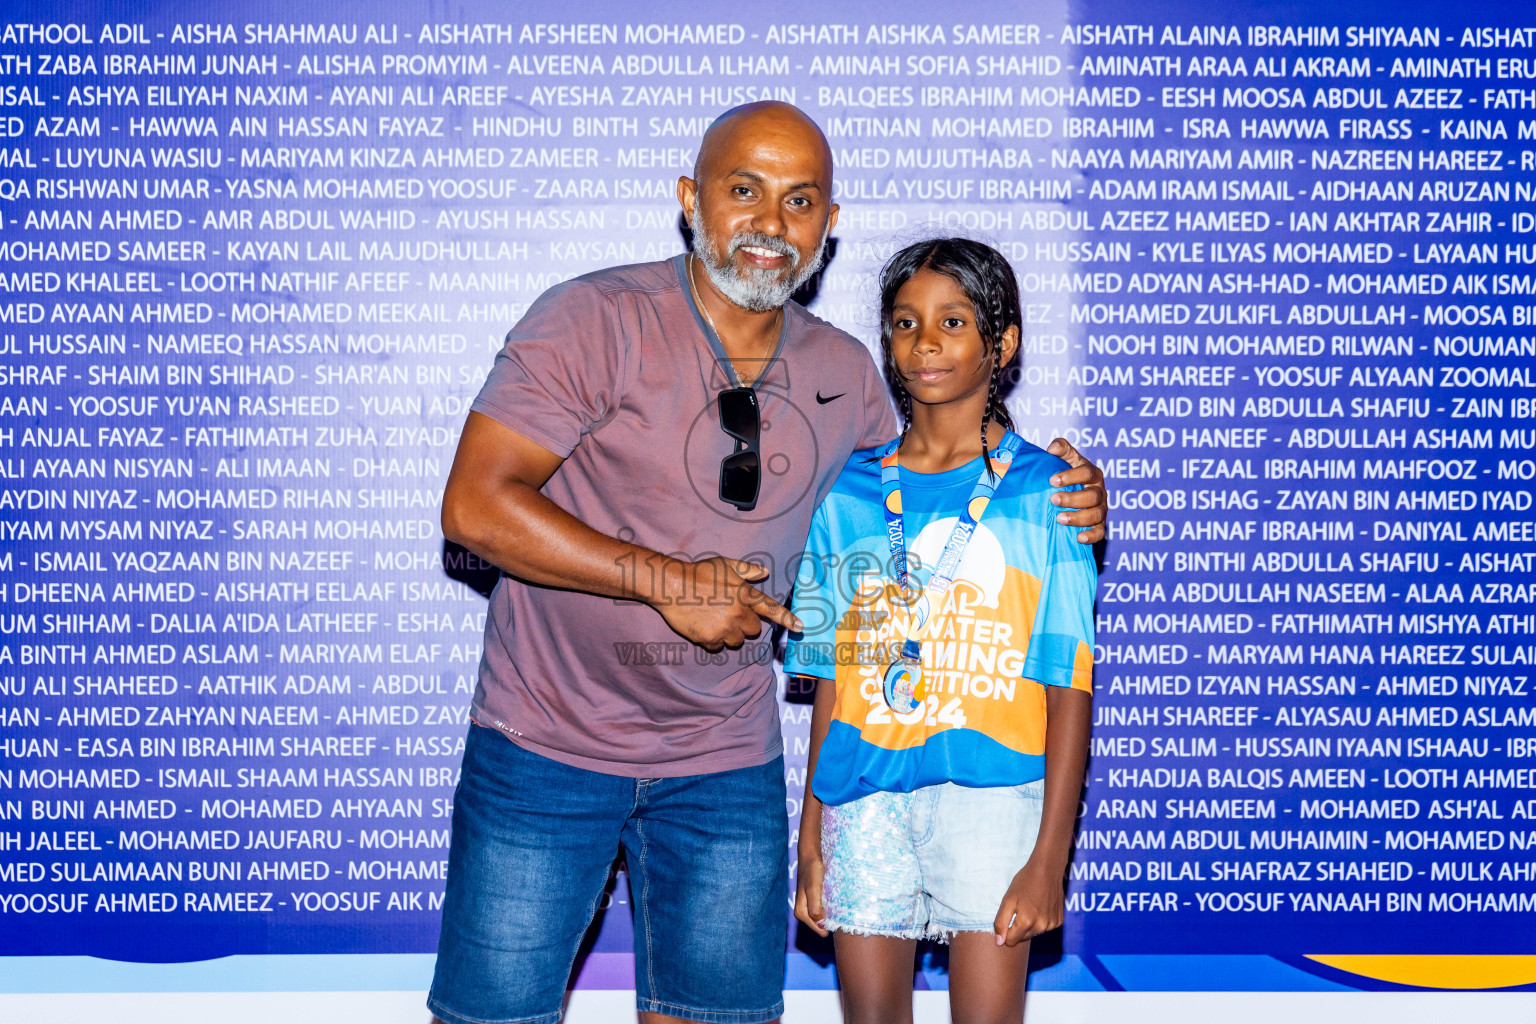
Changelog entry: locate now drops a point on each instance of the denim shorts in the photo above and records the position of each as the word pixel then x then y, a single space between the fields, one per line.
pixel 926 864
pixel 533 841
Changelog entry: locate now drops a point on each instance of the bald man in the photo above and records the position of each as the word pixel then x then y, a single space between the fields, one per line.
pixel 643 463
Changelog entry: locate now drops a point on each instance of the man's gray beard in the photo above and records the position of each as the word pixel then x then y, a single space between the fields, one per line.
pixel 754 288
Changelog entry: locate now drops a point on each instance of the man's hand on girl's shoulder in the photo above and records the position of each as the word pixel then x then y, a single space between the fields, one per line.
pixel 1089 505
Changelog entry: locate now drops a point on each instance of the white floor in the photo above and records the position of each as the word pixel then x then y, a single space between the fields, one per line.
pixel 803 1008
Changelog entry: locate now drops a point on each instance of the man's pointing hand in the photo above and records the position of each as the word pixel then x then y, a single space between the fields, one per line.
pixel 713 602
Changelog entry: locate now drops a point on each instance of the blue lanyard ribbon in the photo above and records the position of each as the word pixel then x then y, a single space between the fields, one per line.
pixel 999 461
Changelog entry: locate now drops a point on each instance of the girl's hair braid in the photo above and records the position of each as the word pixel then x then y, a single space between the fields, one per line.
pixel 903 400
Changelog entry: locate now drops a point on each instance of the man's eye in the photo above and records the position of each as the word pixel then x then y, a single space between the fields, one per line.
pixel 742 190
pixel 800 201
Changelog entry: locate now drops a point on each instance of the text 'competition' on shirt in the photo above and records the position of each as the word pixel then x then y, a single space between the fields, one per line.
pixel 1018 618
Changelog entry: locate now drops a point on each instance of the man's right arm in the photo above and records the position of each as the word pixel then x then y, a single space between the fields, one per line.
pixel 493 506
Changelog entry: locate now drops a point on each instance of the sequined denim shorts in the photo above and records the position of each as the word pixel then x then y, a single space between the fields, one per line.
pixel 929 863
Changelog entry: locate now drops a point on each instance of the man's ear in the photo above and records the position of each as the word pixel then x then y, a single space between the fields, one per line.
pixel 1008 345
pixel 832 218
pixel 687 196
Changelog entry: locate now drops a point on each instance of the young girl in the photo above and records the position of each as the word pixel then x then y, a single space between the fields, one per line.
pixel 950 622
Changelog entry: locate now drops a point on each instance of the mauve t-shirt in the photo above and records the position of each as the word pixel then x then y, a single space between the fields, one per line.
pixel 617 372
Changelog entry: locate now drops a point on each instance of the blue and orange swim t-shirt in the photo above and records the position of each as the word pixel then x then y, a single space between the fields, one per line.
pixel 1018 618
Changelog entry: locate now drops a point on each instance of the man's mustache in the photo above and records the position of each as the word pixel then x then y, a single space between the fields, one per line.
pixel 774 245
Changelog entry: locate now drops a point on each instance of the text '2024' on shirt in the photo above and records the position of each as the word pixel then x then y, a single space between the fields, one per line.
pixel 1019 618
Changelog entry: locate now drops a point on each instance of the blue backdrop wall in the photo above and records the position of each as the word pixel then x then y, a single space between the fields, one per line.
pixel 1277 263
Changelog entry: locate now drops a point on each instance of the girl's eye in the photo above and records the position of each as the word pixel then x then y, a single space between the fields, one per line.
pixel 954 323
pixel 905 323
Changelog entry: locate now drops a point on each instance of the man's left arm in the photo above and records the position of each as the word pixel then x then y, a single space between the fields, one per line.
pixel 1089 506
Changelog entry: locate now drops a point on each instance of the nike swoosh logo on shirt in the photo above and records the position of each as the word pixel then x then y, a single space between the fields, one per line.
pixel 829 398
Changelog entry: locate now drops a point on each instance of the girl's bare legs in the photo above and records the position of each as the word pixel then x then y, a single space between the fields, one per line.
pixel 875 974
pixel 986 981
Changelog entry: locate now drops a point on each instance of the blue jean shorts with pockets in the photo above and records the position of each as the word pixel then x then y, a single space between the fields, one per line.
pixel 533 841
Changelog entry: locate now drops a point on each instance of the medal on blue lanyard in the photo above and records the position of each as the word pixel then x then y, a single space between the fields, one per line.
pixel 904 679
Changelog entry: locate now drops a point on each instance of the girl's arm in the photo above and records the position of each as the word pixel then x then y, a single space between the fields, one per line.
pixel 1034 902
pixel 808 873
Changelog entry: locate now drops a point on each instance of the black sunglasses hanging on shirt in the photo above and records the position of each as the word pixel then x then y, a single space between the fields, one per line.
pixel 741 471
